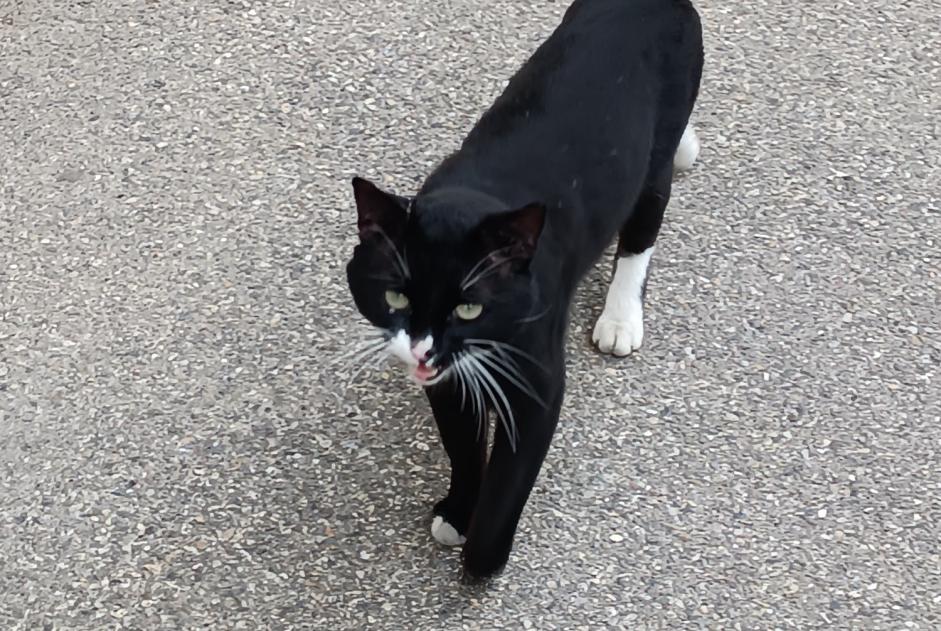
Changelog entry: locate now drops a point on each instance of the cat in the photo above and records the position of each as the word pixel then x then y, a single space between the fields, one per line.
pixel 469 281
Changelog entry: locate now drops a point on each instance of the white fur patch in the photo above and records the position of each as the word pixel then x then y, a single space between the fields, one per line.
pixel 444 533
pixel 421 348
pixel 620 329
pixel 400 347
pixel 688 150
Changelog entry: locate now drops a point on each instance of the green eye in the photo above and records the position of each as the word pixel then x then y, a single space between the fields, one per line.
pixel 468 312
pixel 396 300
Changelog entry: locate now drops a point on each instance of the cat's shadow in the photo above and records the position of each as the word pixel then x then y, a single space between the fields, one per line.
pixel 391 470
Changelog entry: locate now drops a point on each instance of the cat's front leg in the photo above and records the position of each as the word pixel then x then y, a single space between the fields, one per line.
pixel 509 479
pixel 464 435
pixel 620 328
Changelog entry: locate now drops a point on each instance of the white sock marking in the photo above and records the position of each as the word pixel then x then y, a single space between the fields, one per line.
pixel 688 150
pixel 444 533
pixel 620 329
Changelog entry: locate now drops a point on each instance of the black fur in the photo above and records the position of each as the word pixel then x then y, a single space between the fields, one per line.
pixel 578 149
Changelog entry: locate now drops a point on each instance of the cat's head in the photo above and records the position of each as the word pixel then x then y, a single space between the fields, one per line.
pixel 444 277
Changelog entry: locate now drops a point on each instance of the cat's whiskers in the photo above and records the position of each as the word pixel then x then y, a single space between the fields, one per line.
pixel 497 397
pixel 480 407
pixel 460 381
pixel 369 337
pixel 535 318
pixel 368 345
pixel 475 274
pixel 364 333
pixel 368 340
pixel 481 362
pixel 512 373
pixel 468 377
pixel 371 359
pixel 503 347
pixel 399 259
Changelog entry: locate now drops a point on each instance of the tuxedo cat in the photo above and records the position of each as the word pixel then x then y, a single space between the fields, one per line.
pixel 469 281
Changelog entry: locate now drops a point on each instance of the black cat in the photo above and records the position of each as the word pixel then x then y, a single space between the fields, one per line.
pixel 469 282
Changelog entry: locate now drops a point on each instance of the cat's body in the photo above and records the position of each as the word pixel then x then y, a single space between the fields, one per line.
pixel 471 280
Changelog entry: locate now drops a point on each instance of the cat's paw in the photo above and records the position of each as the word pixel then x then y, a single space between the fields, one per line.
pixel 451 520
pixel 481 564
pixel 620 334
pixel 687 151
pixel 446 534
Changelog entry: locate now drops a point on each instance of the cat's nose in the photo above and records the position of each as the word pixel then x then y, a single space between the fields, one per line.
pixel 422 349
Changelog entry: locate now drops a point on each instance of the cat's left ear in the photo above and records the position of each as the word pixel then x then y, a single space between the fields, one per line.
pixel 516 232
pixel 378 210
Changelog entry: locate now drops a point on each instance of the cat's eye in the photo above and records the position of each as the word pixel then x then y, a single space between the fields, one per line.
pixel 396 300
pixel 468 311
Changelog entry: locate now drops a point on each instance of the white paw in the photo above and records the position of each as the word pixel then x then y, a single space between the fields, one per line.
pixel 444 533
pixel 620 336
pixel 687 151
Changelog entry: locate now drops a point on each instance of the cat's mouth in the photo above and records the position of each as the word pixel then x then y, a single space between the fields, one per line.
pixel 424 374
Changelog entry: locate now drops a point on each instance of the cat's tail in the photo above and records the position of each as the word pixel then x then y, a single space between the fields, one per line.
pixel 688 150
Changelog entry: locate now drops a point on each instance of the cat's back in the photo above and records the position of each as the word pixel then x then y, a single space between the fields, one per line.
pixel 598 74
pixel 621 15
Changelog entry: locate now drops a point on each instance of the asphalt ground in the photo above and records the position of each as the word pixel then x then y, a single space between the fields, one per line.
pixel 177 450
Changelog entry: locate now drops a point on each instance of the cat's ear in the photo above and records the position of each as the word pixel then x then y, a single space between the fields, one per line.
pixel 379 212
pixel 514 233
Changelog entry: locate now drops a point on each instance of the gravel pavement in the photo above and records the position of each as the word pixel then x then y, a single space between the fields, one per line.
pixel 175 214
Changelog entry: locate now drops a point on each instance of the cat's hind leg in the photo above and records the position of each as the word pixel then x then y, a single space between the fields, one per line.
pixel 464 434
pixel 620 328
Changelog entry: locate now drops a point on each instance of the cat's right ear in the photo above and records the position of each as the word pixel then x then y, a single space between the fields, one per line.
pixel 379 212
pixel 514 233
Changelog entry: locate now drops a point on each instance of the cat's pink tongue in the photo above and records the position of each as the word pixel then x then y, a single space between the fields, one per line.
pixel 424 373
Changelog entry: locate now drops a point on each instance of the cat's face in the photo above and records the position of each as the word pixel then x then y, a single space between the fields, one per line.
pixel 441 287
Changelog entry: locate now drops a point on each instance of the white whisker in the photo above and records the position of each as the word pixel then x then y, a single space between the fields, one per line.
pixel 366 335
pixel 473 276
pixel 362 353
pixel 403 266
pixel 481 404
pixel 512 374
pixel 363 338
pixel 535 318
pixel 458 364
pixel 460 379
pixel 377 357
pixel 473 386
pixel 502 346
pixel 476 279
pixel 494 391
